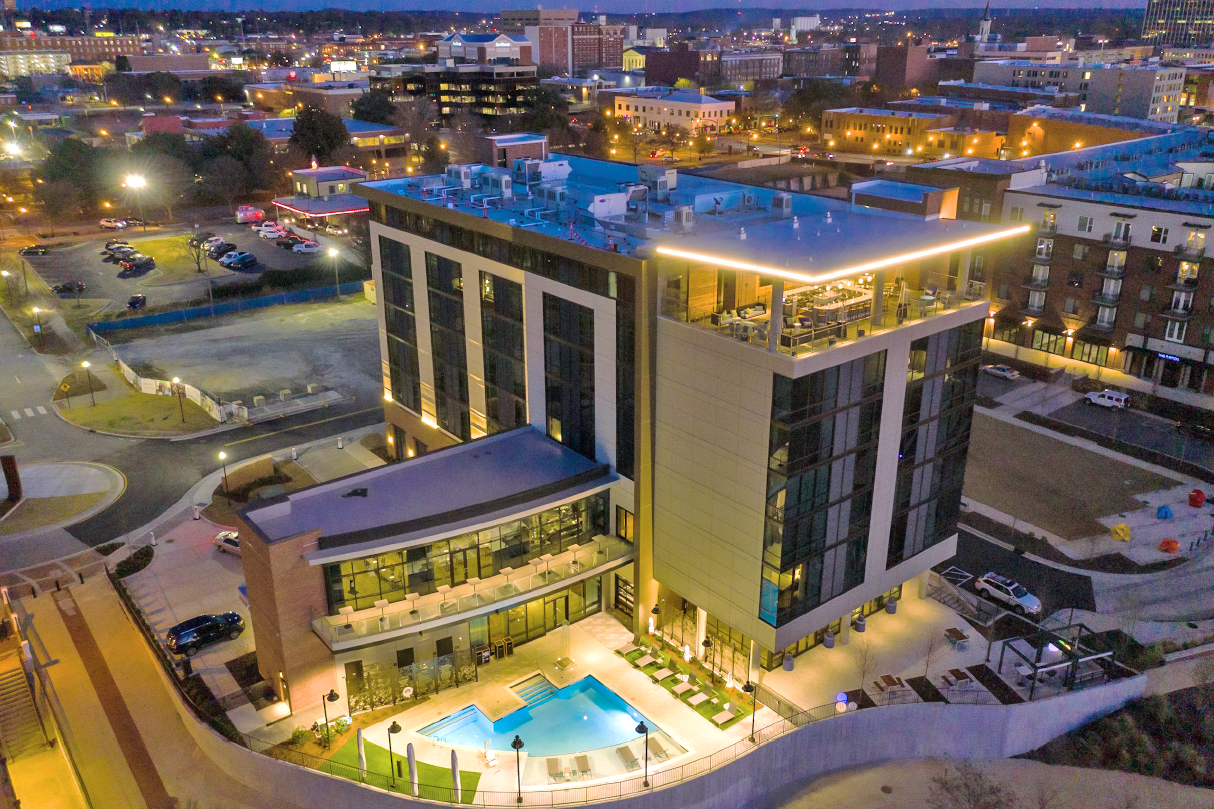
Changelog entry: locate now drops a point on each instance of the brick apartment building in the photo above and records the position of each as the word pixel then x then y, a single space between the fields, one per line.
pixel 80 48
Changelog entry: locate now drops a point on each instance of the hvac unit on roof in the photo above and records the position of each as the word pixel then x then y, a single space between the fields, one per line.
pixel 781 205
pixel 748 198
pixel 459 176
pixel 501 185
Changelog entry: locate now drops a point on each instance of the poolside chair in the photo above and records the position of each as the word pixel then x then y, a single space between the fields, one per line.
pixel 554 770
pixel 583 766
pixel 657 750
pixel 490 756
pixel 626 756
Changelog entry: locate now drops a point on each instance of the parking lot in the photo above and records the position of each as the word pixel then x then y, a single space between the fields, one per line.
pixel 175 277
pixel 1143 429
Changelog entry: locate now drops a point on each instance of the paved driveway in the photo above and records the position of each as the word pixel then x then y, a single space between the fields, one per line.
pixel 1138 428
pixel 1057 589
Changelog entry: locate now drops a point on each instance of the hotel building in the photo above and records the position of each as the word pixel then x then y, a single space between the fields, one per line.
pixel 618 388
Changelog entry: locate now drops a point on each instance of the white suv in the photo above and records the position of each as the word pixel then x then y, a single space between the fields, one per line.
pixel 1000 588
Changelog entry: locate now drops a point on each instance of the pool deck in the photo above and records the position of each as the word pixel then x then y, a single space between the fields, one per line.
pixel 591 645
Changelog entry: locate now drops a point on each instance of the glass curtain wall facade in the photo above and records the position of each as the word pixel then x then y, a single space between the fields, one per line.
pixel 401 323
pixel 445 281
pixel 569 373
pixel 940 392
pixel 359 583
pixel 822 456
pixel 505 366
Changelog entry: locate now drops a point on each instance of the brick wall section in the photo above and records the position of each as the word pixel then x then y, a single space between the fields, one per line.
pixel 285 593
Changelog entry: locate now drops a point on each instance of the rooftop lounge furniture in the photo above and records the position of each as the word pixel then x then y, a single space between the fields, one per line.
pixel 583 766
pixel 554 770
pixel 626 756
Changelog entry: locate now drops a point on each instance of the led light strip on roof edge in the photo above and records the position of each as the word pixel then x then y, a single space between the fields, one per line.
pixel 837 274
pixel 315 213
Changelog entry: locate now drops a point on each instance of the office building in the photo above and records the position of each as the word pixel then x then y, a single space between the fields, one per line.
pixel 696 61
pixel 742 67
pixel 1134 91
pixel 32 63
pixel 1184 23
pixel 488 90
pixel 485 49
pixel 651 390
pixel 692 111
pixel 78 48
pixel 1046 130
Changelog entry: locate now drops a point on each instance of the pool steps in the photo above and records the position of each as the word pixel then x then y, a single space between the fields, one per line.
pixel 455 721
pixel 535 691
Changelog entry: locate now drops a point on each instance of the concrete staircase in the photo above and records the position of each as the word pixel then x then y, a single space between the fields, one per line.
pixel 20 727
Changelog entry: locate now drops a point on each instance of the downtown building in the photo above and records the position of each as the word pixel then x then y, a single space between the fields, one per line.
pixel 619 388
pixel 1183 23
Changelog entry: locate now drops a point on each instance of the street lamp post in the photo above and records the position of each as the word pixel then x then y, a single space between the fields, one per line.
pixel 332 696
pixel 223 459
pixel 178 388
pixel 393 729
pixel 707 644
pixel 138 182
pixel 336 280
pixel 643 728
pixel 38 327
pixel 517 744
pixel 749 688
pixel 89 375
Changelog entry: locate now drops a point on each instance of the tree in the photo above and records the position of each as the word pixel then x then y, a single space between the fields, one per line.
pixel 122 64
pixel 964 785
pixel 278 59
pixel 434 156
pixel 463 129
pixel 319 133
pixel 704 144
pixel 226 177
pixel 864 660
pixel 168 180
pixel 58 198
pixel 544 109
pixel 166 144
pixel 673 136
pixel 931 648
pixel 375 107
pixel 76 162
pixel 685 84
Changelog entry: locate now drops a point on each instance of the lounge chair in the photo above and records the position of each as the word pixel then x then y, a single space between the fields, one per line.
pixel 490 756
pixel 656 749
pixel 554 770
pixel 626 756
pixel 583 766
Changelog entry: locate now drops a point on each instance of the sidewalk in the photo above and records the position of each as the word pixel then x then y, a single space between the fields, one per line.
pixel 111 690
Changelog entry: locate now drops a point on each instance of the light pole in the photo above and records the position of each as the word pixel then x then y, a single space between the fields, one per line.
pixel 336 280
pixel 332 696
pixel 178 388
pixel 517 744
pixel 138 182
pixel 89 375
pixel 8 282
pixel 707 644
pixel 223 459
pixel 643 728
pixel 38 327
pixel 749 688
pixel 394 728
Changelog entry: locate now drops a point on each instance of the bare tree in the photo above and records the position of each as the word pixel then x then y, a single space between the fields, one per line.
pixel 227 177
pixel 415 118
pixel 963 785
pixel 931 648
pixel 864 659
pixel 463 127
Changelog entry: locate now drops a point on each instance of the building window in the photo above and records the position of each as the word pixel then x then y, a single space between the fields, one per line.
pixel 569 373
pixel 1071 306
pixel 505 367
pixel 821 465
pixel 1004 291
pixel 1175 331
pixel 1074 279
pixel 1090 352
pixel 978 269
pixel 1141 320
pixel 1187 272
pixel 1049 343
pixel 400 321
pixel 936 422
pixel 1045 248
pixel 1080 252
pixel 1015 214
pixel 1146 292
pixel 1085 224
pixel 1159 235
pixel 625 524
pixel 445 281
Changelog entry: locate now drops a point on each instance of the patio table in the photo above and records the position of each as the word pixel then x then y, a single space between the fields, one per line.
pixel 697 699
pixel 661 674
pixel 959 675
pixel 682 688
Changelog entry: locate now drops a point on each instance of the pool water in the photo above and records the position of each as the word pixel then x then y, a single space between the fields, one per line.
pixel 582 716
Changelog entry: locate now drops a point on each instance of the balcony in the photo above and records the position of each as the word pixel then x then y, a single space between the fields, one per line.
pixel 1117 241
pixel 508 588
pixel 1184 284
pixel 1042 258
pixel 1047 228
pixel 1033 309
pixel 1096 325
pixel 1189 252
pixel 1112 271
pixel 1178 313
pixel 1035 283
pixel 1106 298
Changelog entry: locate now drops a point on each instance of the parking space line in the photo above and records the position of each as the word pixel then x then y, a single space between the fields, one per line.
pixel 29 412
pixel 16 415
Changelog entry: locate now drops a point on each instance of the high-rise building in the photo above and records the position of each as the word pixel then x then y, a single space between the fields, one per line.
pixel 1134 91
pixel 665 395
pixel 1179 22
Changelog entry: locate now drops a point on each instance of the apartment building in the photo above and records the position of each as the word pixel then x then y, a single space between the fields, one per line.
pixel 1134 91
pixel 907 132
pixel 692 111
pixel 29 63
pixel 661 394
pixel 78 48
pixel 1185 23
pixel 488 90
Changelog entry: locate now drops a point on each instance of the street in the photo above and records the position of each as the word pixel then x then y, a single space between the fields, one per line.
pixel 1138 428
pixel 1057 589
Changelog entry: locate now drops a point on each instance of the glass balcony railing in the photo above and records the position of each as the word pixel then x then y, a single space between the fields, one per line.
pixel 507 586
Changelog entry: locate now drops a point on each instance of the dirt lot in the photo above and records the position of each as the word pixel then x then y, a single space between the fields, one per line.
pixel 1051 484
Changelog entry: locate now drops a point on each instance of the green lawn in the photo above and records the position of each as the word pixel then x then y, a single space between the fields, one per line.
pixel 435 782
pixel 705 709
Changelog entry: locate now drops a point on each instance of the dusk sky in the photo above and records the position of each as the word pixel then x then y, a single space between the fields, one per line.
pixel 615 6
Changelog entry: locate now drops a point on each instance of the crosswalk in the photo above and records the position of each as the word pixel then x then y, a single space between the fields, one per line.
pixel 29 412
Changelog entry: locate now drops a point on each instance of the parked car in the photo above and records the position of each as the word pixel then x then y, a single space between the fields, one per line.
pixel 36 250
pixel 289 241
pixel 227 542
pixel 238 261
pixel 133 222
pixel 1196 429
pixel 1000 588
pixel 1109 398
pixel 69 288
pixel 112 224
pixel 260 226
pixel 335 230
pixel 220 250
pixel 199 238
pixel 188 637
pixel 136 301
pixel 249 213
pixel 657 153
pixel 136 264
pixel 307 247
pixel 119 249
pixel 1001 371
pixel 271 233
pixel 112 243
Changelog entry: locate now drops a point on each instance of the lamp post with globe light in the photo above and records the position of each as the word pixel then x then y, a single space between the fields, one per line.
pixel 332 696
pixel 89 375
pixel 179 389
pixel 393 729
pixel 643 728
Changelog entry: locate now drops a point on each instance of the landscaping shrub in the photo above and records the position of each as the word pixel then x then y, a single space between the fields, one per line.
pixel 108 548
pixel 134 563
pixel 299 736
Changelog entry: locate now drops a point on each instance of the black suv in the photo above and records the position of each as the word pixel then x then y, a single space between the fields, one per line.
pixel 189 636
pixel 220 250
pixel 198 238
pixel 36 250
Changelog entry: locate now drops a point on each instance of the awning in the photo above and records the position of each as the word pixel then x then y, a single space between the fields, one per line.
pixel 1050 323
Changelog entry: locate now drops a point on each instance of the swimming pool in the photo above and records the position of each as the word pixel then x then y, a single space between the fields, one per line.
pixel 582 716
